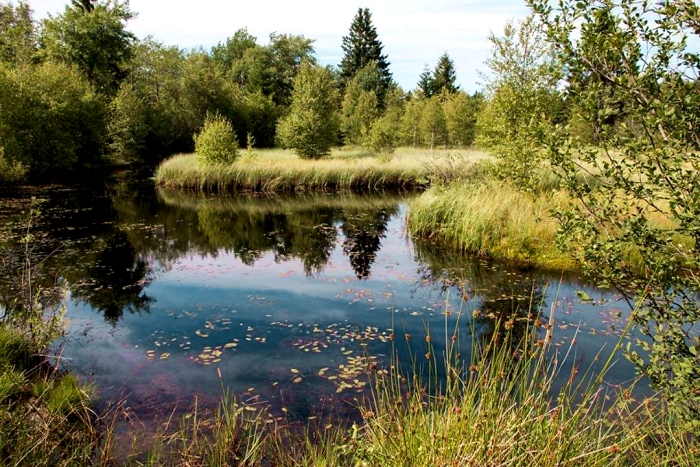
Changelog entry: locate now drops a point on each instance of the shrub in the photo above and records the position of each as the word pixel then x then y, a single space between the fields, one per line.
pixel 217 142
pixel 383 135
pixel 11 171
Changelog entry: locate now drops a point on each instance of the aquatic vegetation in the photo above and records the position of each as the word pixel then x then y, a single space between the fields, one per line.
pixel 280 171
pixel 500 408
pixel 491 218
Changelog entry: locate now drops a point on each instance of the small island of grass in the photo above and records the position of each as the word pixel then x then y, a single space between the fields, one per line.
pixel 282 171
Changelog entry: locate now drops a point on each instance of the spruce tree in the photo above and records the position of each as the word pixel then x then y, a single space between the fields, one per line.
pixel 444 77
pixel 426 82
pixel 361 46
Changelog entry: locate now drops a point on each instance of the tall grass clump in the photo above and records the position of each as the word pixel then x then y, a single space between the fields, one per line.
pixel 281 171
pixel 216 143
pixel 507 407
pixel 490 218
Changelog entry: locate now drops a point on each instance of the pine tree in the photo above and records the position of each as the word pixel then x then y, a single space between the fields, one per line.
pixel 361 46
pixel 426 82
pixel 444 76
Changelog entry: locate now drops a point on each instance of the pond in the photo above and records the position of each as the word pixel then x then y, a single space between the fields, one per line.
pixel 279 300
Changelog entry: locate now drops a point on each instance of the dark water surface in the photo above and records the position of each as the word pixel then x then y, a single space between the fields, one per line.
pixel 279 300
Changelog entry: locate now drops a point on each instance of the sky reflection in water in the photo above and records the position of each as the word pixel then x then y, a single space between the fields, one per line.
pixel 285 297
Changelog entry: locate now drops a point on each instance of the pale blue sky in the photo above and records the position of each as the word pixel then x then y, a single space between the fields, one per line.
pixel 414 32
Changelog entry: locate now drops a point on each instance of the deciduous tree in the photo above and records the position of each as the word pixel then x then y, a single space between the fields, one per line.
pixel 648 169
pixel 311 126
pixel 461 111
pixel 18 41
pixel 522 96
pixel 95 40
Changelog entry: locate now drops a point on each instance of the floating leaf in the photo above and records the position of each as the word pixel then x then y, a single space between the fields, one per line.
pixel 583 296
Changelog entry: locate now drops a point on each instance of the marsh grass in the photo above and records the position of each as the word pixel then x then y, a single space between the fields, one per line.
pixel 281 171
pixel 45 415
pixel 491 218
pixel 503 411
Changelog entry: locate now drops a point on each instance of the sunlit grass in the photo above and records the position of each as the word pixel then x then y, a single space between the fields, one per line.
pixel 281 171
pixel 45 416
pixel 491 218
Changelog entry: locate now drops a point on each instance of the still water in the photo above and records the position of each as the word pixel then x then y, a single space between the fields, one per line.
pixel 281 300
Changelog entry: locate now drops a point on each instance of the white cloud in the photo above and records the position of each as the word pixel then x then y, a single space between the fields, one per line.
pixel 414 32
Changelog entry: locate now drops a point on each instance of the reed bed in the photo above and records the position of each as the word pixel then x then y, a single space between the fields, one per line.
pixel 281 171
pixel 491 218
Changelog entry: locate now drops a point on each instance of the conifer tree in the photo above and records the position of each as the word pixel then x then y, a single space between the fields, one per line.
pixel 444 77
pixel 362 46
pixel 426 82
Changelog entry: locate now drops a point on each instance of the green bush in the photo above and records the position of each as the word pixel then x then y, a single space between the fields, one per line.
pixel 383 135
pixel 11 171
pixel 217 142
pixel 51 119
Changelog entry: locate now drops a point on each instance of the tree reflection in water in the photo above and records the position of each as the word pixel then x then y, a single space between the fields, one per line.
pixel 117 280
pixel 509 301
pixel 363 237
pixel 108 240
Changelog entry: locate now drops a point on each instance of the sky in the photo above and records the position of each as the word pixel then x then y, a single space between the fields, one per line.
pixel 414 32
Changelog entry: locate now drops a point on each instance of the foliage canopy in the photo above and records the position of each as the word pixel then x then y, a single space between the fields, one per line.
pixel 639 229
pixel 311 127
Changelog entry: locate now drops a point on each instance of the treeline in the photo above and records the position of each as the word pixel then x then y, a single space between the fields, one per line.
pixel 78 90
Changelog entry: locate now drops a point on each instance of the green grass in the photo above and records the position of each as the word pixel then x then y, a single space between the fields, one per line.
pixel 281 171
pixel 45 417
pixel 488 217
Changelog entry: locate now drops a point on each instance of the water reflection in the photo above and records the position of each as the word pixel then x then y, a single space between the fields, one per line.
pixel 304 227
pixel 108 241
pixel 510 300
pixel 363 236
pixel 117 280
pixel 257 286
